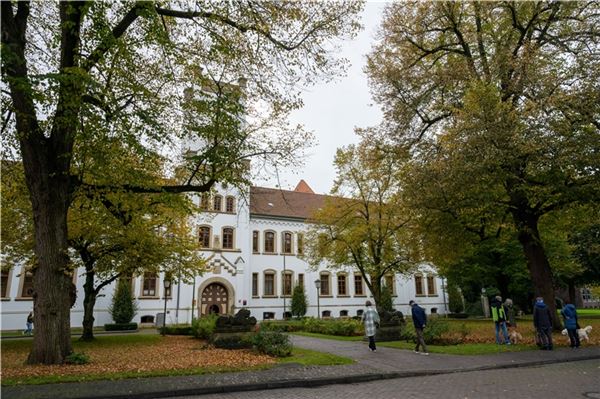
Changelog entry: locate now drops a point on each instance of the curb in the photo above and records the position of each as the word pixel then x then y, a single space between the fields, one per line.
pixel 318 382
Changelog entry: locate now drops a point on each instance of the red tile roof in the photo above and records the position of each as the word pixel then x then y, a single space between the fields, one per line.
pixel 303 187
pixel 284 203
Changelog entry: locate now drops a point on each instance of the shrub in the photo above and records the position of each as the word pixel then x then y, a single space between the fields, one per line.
pixel 121 327
pixel 386 302
pixel 77 358
pixel 343 327
pixel 458 315
pixel 273 343
pixel 233 340
pixel 282 326
pixel 185 329
pixel 474 309
pixel 123 306
pixel 434 330
pixel 455 301
pixel 299 302
pixel 204 326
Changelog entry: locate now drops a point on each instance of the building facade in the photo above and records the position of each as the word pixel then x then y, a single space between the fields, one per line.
pixel 253 242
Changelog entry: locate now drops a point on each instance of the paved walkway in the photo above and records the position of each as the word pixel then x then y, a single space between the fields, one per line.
pixel 386 363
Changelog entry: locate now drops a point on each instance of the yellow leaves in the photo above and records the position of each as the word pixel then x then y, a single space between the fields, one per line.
pixel 169 353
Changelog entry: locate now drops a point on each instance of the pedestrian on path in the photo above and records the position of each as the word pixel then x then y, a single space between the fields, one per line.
pixel 29 324
pixel 499 317
pixel 419 320
pixel 371 319
pixel 542 321
pixel 569 314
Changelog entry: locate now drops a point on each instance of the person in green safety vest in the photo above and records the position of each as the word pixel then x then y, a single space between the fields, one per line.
pixel 499 317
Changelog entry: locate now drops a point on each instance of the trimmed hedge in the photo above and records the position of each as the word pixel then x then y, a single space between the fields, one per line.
pixel 120 327
pixel 176 330
pixel 273 343
pixel 341 327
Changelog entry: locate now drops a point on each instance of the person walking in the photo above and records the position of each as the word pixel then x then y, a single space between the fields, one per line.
pixel 419 320
pixel 511 320
pixel 569 314
pixel 29 324
pixel 499 317
pixel 542 321
pixel 371 319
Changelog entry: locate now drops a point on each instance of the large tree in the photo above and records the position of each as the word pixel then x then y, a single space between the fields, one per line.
pixel 124 66
pixel 364 224
pixel 504 96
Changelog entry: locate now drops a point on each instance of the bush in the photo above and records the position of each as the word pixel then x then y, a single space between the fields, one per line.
pixel 177 330
pixel 77 358
pixel 458 315
pixel 299 302
pixel 434 330
pixel 233 340
pixel 121 327
pixel 273 343
pixel 474 309
pixel 455 301
pixel 123 306
pixel 386 302
pixel 342 327
pixel 282 326
pixel 204 326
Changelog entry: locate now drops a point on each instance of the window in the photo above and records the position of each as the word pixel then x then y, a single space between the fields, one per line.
pixel 342 287
pixel 287 242
pixel 268 316
pixel 433 310
pixel 359 312
pixel 301 280
pixel 4 282
pixel 431 288
pixel 287 283
pixel 147 319
pixel 419 285
pixel 269 242
pixel 358 285
pixel 326 313
pixel 269 285
pixel 255 245
pixel 204 201
pixel 27 289
pixel 389 283
pixel 343 313
pixel 227 238
pixel 254 284
pixel 230 205
pixel 300 243
pixel 217 202
pixel 204 237
pixel 325 284
pixel 149 285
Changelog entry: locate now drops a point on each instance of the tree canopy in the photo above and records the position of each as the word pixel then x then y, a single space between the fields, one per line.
pixel 499 105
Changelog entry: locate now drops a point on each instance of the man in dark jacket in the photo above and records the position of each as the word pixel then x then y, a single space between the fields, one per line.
pixel 419 320
pixel 542 320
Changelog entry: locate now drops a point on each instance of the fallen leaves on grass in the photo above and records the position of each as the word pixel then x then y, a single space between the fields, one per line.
pixel 166 353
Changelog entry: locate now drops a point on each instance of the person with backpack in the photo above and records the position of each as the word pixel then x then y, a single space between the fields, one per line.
pixel 542 321
pixel 499 317
pixel 569 314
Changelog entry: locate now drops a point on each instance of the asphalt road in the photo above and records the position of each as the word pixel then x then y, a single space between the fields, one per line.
pixel 565 380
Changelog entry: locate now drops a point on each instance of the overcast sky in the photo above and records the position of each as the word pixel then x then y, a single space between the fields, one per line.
pixel 332 111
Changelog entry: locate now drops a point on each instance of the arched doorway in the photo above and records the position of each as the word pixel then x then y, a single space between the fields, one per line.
pixel 214 299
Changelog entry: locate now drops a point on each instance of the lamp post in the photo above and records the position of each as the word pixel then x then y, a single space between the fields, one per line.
pixel 167 284
pixel 484 303
pixel 318 285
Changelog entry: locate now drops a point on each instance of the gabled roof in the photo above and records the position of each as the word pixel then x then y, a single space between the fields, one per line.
pixel 275 202
pixel 303 187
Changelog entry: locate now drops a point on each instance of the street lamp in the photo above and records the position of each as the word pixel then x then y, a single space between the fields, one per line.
pixel 167 284
pixel 318 285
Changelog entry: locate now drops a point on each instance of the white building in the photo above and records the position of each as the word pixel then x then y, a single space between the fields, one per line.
pixel 252 253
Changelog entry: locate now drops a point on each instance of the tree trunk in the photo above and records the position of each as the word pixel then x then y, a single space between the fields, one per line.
pixel 537 263
pixel 52 279
pixel 572 293
pixel 89 301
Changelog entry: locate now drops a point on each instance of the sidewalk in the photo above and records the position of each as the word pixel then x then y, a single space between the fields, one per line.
pixel 386 363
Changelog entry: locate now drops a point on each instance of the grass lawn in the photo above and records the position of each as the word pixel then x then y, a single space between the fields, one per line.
pixel 144 355
pixel 325 336
pixel 463 349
